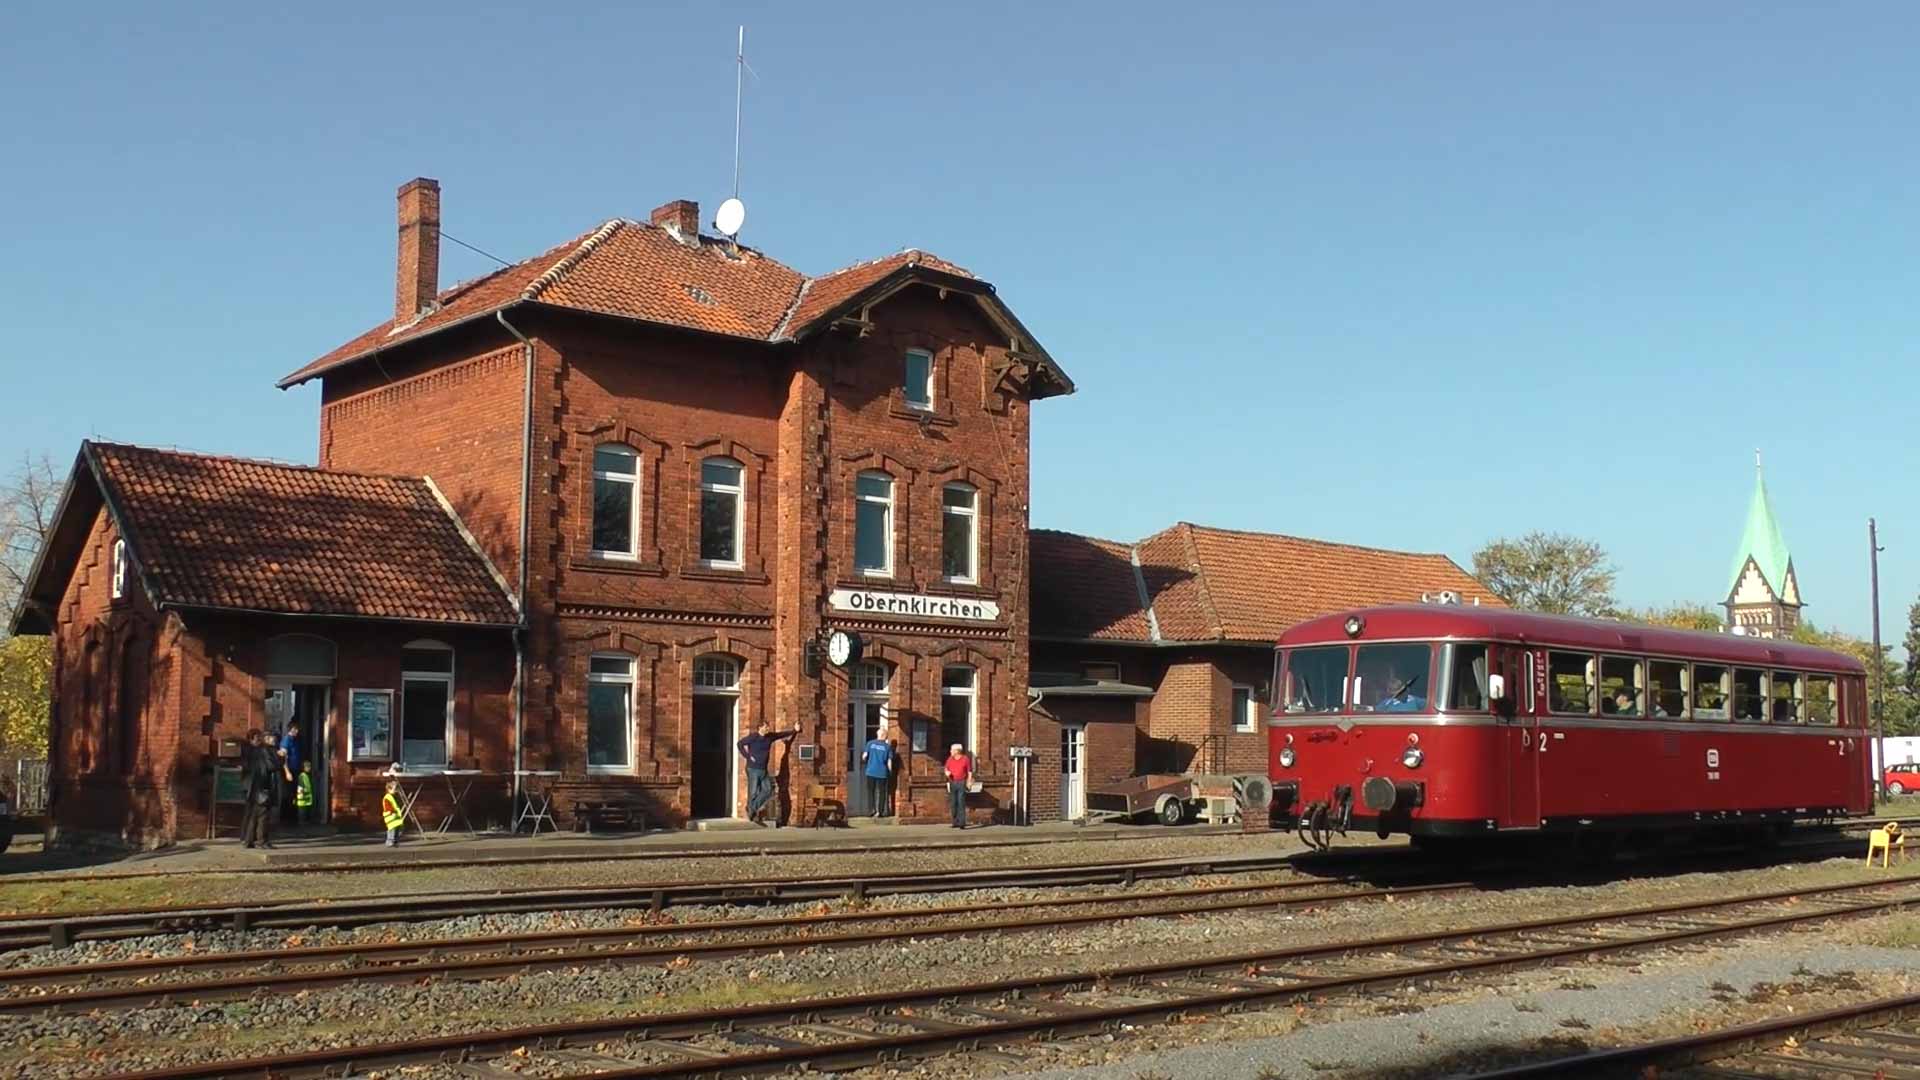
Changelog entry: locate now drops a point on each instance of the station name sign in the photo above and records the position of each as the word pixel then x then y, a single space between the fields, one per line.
pixel 914 605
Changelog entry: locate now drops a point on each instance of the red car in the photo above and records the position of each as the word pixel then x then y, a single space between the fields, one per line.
pixel 1901 779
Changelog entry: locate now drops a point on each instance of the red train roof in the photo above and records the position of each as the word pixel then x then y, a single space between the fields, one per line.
pixel 1598 635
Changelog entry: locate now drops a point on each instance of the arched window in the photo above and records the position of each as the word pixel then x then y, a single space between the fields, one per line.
pixel 119 569
pixel 616 501
pixel 960 534
pixel 716 673
pixel 873 524
pixel 426 704
pixel 722 513
pixel 610 713
pixel 959 710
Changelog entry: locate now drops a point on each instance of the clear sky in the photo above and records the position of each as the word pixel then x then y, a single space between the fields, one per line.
pixel 1406 275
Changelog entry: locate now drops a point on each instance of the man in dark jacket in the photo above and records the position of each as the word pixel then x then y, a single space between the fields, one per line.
pixel 263 791
pixel 757 748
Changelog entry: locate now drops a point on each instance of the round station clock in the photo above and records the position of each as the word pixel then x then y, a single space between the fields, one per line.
pixel 843 648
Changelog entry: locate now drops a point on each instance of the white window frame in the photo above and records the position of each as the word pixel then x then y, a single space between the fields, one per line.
pixel 905 386
pixel 971 512
pixel 614 679
pixel 444 677
pixel 119 569
pixel 1247 720
pixel 739 493
pixel 632 480
pixel 886 528
pixel 971 692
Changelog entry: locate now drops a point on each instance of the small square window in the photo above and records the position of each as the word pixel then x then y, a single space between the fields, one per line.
pixel 1246 710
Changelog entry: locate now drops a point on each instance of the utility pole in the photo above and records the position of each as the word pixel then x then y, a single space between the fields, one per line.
pixel 1879 665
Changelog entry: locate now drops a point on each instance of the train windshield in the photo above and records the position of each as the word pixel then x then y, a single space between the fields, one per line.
pixel 1391 678
pixel 1316 679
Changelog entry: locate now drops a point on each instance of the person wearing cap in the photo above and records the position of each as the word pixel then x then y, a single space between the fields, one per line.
pixel 959 766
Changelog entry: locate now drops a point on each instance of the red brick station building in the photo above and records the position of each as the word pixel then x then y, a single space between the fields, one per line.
pixel 591 517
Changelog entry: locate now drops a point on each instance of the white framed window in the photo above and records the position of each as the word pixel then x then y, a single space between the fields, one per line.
pixel 1246 710
pixel 722 512
pixel 960 534
pixel 959 708
pixel 610 713
pixel 616 501
pixel 869 677
pixel 426 704
pixel 119 569
pixel 917 381
pixel 873 524
pixel 715 673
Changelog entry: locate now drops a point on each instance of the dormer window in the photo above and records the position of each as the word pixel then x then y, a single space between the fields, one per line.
pixel 918 386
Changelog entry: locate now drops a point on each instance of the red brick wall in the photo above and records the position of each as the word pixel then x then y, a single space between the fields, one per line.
pixel 1110 726
pixel 1193 699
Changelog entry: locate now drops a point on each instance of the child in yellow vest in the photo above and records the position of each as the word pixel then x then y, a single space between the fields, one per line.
pixel 303 793
pixel 390 812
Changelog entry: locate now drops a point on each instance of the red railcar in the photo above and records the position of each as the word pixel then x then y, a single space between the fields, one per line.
pixel 1447 721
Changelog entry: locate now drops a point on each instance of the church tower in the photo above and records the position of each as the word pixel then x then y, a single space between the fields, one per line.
pixel 1764 600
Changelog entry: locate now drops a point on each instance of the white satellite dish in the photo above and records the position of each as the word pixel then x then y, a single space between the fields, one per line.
pixel 731 215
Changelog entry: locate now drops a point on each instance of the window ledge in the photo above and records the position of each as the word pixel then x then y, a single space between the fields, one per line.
pixel 940 413
pixel 604 565
pixel 738 575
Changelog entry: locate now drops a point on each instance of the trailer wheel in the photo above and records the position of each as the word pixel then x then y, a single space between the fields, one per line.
pixel 1895 788
pixel 1170 811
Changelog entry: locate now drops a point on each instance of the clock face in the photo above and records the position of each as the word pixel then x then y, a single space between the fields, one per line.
pixel 839 647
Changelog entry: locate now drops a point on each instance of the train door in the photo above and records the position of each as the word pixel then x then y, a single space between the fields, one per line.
pixel 1520 723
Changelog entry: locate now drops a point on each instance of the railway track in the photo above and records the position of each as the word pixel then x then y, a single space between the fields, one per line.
pixel 1873 1039
pixel 60 930
pixel 863 1029
pixel 223 976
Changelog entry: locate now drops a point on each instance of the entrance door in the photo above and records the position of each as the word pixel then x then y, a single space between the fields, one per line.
pixel 866 717
pixel 1073 771
pixel 713 741
pixel 1521 724
pixel 309 703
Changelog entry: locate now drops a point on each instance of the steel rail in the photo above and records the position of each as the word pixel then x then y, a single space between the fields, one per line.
pixel 1725 1043
pixel 1055 1019
pixel 415 907
pixel 511 962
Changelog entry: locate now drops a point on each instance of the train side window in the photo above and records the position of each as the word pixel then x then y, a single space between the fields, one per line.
pixel 1820 700
pixel 1749 695
pixel 1392 678
pixel 1667 688
pixel 1623 691
pixel 1785 696
pixel 1466 678
pixel 1317 679
pixel 1709 692
pixel 1570 683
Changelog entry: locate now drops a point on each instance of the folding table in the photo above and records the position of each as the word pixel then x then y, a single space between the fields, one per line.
pixel 458 795
pixel 536 799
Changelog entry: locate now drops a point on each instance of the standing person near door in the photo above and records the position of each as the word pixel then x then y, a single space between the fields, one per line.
pixel 291 761
pixel 878 757
pixel 959 767
pixel 757 748
pixel 263 791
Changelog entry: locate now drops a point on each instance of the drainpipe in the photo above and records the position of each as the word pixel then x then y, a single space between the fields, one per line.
pixel 526 528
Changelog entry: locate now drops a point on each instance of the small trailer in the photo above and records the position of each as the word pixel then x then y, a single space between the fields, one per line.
pixel 1172 799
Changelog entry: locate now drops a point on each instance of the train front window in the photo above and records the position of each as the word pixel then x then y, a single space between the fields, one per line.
pixel 1709 692
pixel 1466 668
pixel 1667 688
pixel 1570 679
pixel 1391 678
pixel 1821 704
pixel 1749 695
pixel 1316 679
pixel 1621 691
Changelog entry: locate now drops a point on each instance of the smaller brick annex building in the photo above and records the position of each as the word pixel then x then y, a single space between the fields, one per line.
pixel 1157 656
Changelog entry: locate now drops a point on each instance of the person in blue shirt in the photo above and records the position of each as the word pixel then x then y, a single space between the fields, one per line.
pixel 1400 696
pixel 290 760
pixel 879 760
pixel 757 748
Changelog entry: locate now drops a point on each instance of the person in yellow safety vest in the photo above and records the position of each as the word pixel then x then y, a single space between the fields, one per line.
pixel 303 793
pixel 390 812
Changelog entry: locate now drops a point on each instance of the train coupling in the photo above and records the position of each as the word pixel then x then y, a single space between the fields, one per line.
pixel 1320 820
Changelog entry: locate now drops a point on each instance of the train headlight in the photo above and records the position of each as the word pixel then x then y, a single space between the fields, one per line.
pixel 1286 757
pixel 1413 757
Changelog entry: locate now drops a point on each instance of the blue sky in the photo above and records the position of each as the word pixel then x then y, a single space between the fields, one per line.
pixel 1383 273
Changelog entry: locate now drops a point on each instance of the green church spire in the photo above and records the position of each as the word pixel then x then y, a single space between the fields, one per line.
pixel 1762 540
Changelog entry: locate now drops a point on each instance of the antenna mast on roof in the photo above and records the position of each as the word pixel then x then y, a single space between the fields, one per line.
pixel 733 213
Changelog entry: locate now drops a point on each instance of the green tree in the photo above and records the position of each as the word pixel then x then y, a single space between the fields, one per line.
pixel 25 666
pixel 1550 572
pixel 1677 616
pixel 1902 714
pixel 1910 679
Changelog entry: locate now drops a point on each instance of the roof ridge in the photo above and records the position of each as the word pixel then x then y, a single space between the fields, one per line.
pixel 1309 540
pixel 236 459
pixel 1081 536
pixel 1146 598
pixel 1214 623
pixel 786 317
pixel 572 259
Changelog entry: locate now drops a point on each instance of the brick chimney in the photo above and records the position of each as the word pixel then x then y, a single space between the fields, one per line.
pixel 417 278
pixel 681 215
